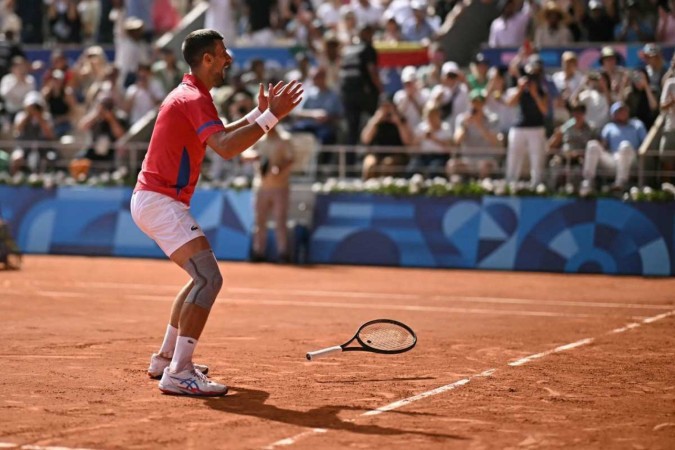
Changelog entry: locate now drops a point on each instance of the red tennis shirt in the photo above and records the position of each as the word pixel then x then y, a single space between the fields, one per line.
pixel 186 119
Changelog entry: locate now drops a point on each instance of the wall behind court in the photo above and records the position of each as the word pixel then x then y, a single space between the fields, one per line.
pixel 97 221
pixel 499 233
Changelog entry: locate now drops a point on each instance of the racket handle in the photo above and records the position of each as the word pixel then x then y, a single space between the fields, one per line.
pixel 323 352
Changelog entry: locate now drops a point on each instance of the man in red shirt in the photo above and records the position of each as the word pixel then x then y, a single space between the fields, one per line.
pixel 186 124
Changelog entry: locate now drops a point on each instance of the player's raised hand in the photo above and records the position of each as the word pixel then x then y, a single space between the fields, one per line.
pixel 263 99
pixel 283 99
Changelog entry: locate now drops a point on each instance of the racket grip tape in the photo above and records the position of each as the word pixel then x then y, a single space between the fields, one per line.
pixel 323 352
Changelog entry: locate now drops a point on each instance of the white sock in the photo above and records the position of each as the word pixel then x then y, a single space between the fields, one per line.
pixel 182 357
pixel 169 343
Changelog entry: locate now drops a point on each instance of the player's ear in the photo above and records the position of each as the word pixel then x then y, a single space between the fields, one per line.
pixel 207 58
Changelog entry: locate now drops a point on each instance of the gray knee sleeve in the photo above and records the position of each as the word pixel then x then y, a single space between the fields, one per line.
pixel 203 268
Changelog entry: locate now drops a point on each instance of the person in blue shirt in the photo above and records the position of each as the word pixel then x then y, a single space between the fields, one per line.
pixel 633 28
pixel 418 27
pixel 621 139
pixel 320 112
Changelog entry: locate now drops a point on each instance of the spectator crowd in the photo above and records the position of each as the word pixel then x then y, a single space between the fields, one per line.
pixel 480 121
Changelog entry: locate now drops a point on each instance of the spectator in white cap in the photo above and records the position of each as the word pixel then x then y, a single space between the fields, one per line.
pixel 131 49
pixel 568 80
pixel 621 139
pixel 452 95
pixel 33 123
pixel 654 65
pixel 411 99
pixel 553 31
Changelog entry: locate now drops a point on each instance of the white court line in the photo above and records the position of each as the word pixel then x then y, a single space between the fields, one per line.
pixel 300 303
pixel 449 387
pixel 370 295
pixel 63 294
pixel 412 308
pixel 36 447
pixel 294 439
pixel 414 398
pixel 525 301
pixel 562 348
pixel 51 357
pixel 247 290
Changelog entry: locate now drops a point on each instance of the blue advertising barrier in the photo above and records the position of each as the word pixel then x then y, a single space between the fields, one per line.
pixel 97 221
pixel 503 233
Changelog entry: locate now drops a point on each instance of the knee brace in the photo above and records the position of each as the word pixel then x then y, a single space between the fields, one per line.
pixel 203 268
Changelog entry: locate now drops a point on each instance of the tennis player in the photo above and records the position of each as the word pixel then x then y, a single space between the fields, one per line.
pixel 186 124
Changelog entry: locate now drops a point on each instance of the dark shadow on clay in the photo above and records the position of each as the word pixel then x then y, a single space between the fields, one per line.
pixel 251 402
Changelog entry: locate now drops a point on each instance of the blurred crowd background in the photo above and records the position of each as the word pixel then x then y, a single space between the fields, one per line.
pixel 83 108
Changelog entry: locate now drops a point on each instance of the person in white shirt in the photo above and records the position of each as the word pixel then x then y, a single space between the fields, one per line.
pixel 569 79
pixel 220 16
pixel 595 95
pixel 510 28
pixel 367 12
pixel 452 96
pixel 553 31
pixel 433 141
pixel 144 95
pixel 477 135
pixel 667 145
pixel 496 101
pixel 411 99
pixel 329 13
pixel 16 85
pixel 131 49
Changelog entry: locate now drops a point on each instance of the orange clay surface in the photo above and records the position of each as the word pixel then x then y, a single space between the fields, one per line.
pixel 77 334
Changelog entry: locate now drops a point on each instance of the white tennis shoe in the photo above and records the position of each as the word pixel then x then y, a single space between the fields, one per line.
pixel 190 382
pixel 158 363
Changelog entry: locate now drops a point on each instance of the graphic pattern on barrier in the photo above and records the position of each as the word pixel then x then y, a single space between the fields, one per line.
pixel 92 221
pixel 506 233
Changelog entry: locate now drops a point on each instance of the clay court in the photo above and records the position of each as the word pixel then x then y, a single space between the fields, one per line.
pixel 503 360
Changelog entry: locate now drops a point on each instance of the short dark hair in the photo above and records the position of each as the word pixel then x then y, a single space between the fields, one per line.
pixel 197 43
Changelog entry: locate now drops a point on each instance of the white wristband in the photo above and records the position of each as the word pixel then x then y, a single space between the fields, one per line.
pixel 267 120
pixel 254 114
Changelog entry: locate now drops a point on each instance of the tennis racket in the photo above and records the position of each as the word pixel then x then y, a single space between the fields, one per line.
pixel 377 336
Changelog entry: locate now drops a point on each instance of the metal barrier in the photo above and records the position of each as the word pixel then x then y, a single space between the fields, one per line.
pixel 316 162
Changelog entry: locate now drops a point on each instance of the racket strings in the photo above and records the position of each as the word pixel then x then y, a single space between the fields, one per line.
pixel 386 336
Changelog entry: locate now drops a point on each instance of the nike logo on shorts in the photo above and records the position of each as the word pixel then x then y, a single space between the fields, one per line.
pixel 194 227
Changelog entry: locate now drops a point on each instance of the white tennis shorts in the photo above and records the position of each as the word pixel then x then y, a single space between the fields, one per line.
pixel 166 221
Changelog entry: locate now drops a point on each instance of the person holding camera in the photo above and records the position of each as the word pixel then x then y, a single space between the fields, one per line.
pixel 528 137
pixel 452 95
pixel 640 98
pixel 477 134
pixel 106 123
pixel 433 140
pixel 387 128
pixel 33 123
